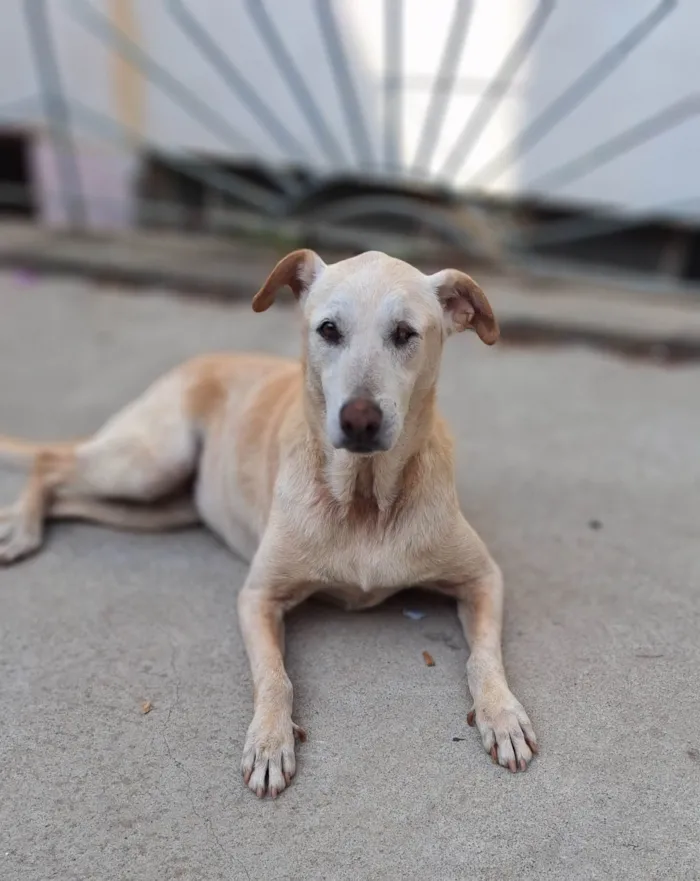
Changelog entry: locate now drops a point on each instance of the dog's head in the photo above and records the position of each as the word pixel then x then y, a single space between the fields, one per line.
pixel 373 333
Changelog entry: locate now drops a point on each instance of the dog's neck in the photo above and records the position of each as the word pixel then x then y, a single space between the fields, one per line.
pixel 377 479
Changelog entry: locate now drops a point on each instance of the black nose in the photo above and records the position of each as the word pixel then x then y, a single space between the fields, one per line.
pixel 360 421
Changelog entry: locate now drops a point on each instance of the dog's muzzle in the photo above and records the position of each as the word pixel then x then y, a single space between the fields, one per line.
pixel 361 426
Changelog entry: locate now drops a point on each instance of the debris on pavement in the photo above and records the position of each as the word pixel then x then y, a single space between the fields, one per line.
pixel 24 277
pixel 414 614
pixel 595 524
pixel 146 707
pixel 428 658
pixel 456 739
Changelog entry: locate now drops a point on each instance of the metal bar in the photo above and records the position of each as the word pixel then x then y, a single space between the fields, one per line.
pixel 247 192
pixel 568 100
pixel 154 209
pixel 344 83
pixel 393 66
pixel 563 231
pixel 100 27
pixel 56 111
pixel 284 62
pixel 443 85
pixel 401 206
pixel 235 80
pixel 496 90
pixel 643 131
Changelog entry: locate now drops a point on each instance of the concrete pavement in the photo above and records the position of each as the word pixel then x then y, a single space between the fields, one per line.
pixel 581 471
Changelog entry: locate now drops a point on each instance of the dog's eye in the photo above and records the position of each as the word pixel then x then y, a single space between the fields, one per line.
pixel 329 332
pixel 402 334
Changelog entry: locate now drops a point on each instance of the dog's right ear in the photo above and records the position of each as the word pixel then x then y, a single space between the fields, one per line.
pixel 297 270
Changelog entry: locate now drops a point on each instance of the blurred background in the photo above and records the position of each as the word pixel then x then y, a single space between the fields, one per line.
pixel 555 136
pixel 156 158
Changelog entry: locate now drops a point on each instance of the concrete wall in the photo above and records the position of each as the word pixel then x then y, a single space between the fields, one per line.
pixel 661 71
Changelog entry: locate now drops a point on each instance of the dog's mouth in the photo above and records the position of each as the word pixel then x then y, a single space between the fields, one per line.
pixel 361 448
pixel 364 446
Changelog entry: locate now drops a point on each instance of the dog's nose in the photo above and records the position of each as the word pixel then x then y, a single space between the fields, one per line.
pixel 360 421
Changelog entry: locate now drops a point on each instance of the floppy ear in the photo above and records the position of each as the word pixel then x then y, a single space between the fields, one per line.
pixel 465 305
pixel 297 270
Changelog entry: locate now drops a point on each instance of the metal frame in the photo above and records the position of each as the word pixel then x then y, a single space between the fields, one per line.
pixel 64 116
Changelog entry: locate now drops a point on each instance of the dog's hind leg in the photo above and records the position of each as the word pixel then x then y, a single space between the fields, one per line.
pixel 144 453
pixel 22 525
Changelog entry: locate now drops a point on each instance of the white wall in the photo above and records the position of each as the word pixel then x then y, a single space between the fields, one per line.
pixel 664 69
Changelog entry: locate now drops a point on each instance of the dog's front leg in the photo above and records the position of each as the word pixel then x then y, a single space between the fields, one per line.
pixel 268 763
pixel 505 729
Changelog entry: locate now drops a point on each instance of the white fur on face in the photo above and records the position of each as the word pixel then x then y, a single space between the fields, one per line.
pixel 366 297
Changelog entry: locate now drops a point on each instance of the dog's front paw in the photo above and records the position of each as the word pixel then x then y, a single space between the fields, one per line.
pixel 269 762
pixel 505 729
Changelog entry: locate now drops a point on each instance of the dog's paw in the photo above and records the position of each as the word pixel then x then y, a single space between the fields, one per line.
pixel 269 762
pixel 506 731
pixel 17 540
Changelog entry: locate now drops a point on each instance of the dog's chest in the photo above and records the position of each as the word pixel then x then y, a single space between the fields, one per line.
pixel 362 576
pixel 353 597
pixel 363 567
pixel 351 571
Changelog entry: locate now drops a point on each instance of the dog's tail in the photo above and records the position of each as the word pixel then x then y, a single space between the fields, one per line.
pixel 175 513
pixel 15 451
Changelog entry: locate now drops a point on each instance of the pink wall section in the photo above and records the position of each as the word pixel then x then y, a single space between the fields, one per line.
pixel 106 180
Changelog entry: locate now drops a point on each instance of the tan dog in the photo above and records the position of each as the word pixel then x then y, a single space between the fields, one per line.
pixel 335 476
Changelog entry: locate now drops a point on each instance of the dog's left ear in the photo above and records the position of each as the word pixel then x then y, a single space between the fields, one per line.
pixel 297 270
pixel 465 305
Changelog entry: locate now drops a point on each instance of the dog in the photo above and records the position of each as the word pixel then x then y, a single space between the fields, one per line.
pixel 332 476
